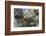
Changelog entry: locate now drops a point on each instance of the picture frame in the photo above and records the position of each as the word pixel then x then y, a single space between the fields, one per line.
pixel 16 5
